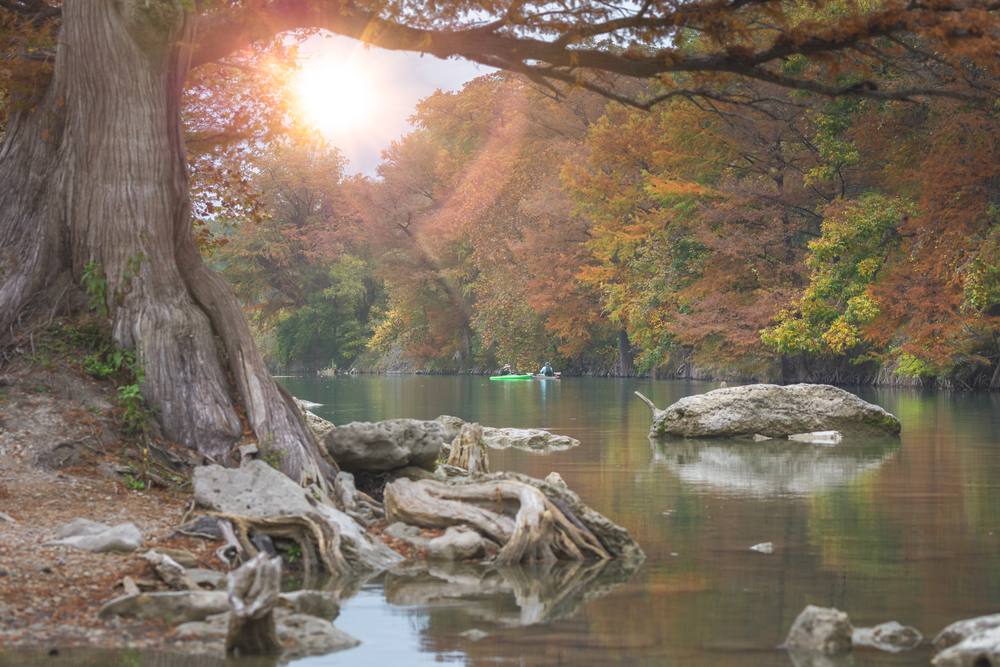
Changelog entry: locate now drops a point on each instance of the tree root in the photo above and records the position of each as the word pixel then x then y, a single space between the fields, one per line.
pixel 519 516
pixel 318 540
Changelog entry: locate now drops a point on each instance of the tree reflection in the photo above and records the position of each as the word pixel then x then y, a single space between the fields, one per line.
pixel 510 596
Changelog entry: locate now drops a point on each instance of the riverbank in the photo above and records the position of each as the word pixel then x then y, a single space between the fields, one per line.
pixel 62 457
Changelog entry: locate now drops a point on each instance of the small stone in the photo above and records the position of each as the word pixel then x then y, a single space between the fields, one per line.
pixel 555 479
pixel 475 634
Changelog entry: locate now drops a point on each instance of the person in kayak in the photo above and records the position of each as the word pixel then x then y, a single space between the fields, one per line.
pixel 547 370
pixel 506 370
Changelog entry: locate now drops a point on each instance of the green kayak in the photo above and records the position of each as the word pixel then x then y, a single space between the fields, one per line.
pixel 526 376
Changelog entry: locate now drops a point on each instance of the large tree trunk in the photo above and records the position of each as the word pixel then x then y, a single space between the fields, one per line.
pixel 94 171
pixel 626 368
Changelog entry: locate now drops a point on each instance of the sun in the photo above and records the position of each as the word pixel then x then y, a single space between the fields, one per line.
pixel 337 97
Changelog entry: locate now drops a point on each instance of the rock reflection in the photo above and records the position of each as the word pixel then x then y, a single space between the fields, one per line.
pixel 772 467
pixel 802 658
pixel 510 596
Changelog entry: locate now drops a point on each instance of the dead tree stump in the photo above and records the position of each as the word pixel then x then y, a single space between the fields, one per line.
pixel 253 591
pixel 468 451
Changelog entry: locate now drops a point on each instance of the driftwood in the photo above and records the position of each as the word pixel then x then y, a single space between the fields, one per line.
pixel 657 412
pixel 532 520
pixel 170 571
pixel 468 451
pixel 253 591
pixel 304 530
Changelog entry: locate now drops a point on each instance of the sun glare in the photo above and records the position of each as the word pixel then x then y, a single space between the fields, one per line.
pixel 337 97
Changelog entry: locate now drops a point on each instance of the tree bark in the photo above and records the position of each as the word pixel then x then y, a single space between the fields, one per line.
pixel 626 367
pixel 94 171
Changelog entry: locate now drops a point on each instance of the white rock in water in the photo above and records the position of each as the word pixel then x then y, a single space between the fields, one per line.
pixel 824 630
pixel 818 437
pixel 771 410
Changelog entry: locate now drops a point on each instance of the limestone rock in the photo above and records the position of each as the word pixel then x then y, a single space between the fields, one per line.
pixel 412 535
pixel 323 604
pixel 457 543
pixel 528 439
pixel 301 634
pixel 96 537
pixel 892 637
pixel 207 578
pixel 386 445
pixel 980 649
pixel 772 410
pixel 555 479
pixel 823 630
pixel 452 426
pixel 317 425
pixel 959 630
pixel 257 490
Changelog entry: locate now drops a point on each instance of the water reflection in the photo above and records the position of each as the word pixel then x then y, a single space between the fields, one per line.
pixel 771 468
pixel 510 596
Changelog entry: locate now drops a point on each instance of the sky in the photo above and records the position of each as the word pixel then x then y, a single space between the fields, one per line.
pixel 360 97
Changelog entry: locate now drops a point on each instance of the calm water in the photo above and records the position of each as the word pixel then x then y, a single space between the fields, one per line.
pixel 904 529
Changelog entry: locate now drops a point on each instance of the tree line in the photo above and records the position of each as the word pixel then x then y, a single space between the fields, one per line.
pixel 95 171
pixel 800 237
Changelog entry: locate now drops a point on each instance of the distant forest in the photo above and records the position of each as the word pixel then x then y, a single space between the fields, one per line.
pixel 794 238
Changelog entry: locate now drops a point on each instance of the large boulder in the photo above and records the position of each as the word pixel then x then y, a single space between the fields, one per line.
pixel 959 630
pixel 386 445
pixel 772 410
pixel 980 649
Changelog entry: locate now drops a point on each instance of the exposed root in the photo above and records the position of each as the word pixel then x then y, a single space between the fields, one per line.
pixel 518 516
pixel 306 531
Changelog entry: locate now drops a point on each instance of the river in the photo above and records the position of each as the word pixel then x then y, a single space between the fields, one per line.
pixel 902 529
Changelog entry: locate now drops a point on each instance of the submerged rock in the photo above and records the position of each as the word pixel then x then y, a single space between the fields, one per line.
pixel 892 637
pixel 771 410
pixel 301 634
pixel 528 439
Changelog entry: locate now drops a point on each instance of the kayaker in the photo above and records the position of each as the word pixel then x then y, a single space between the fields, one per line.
pixel 506 370
pixel 547 370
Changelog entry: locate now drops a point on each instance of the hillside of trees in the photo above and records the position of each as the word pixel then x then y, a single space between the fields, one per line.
pixel 794 237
